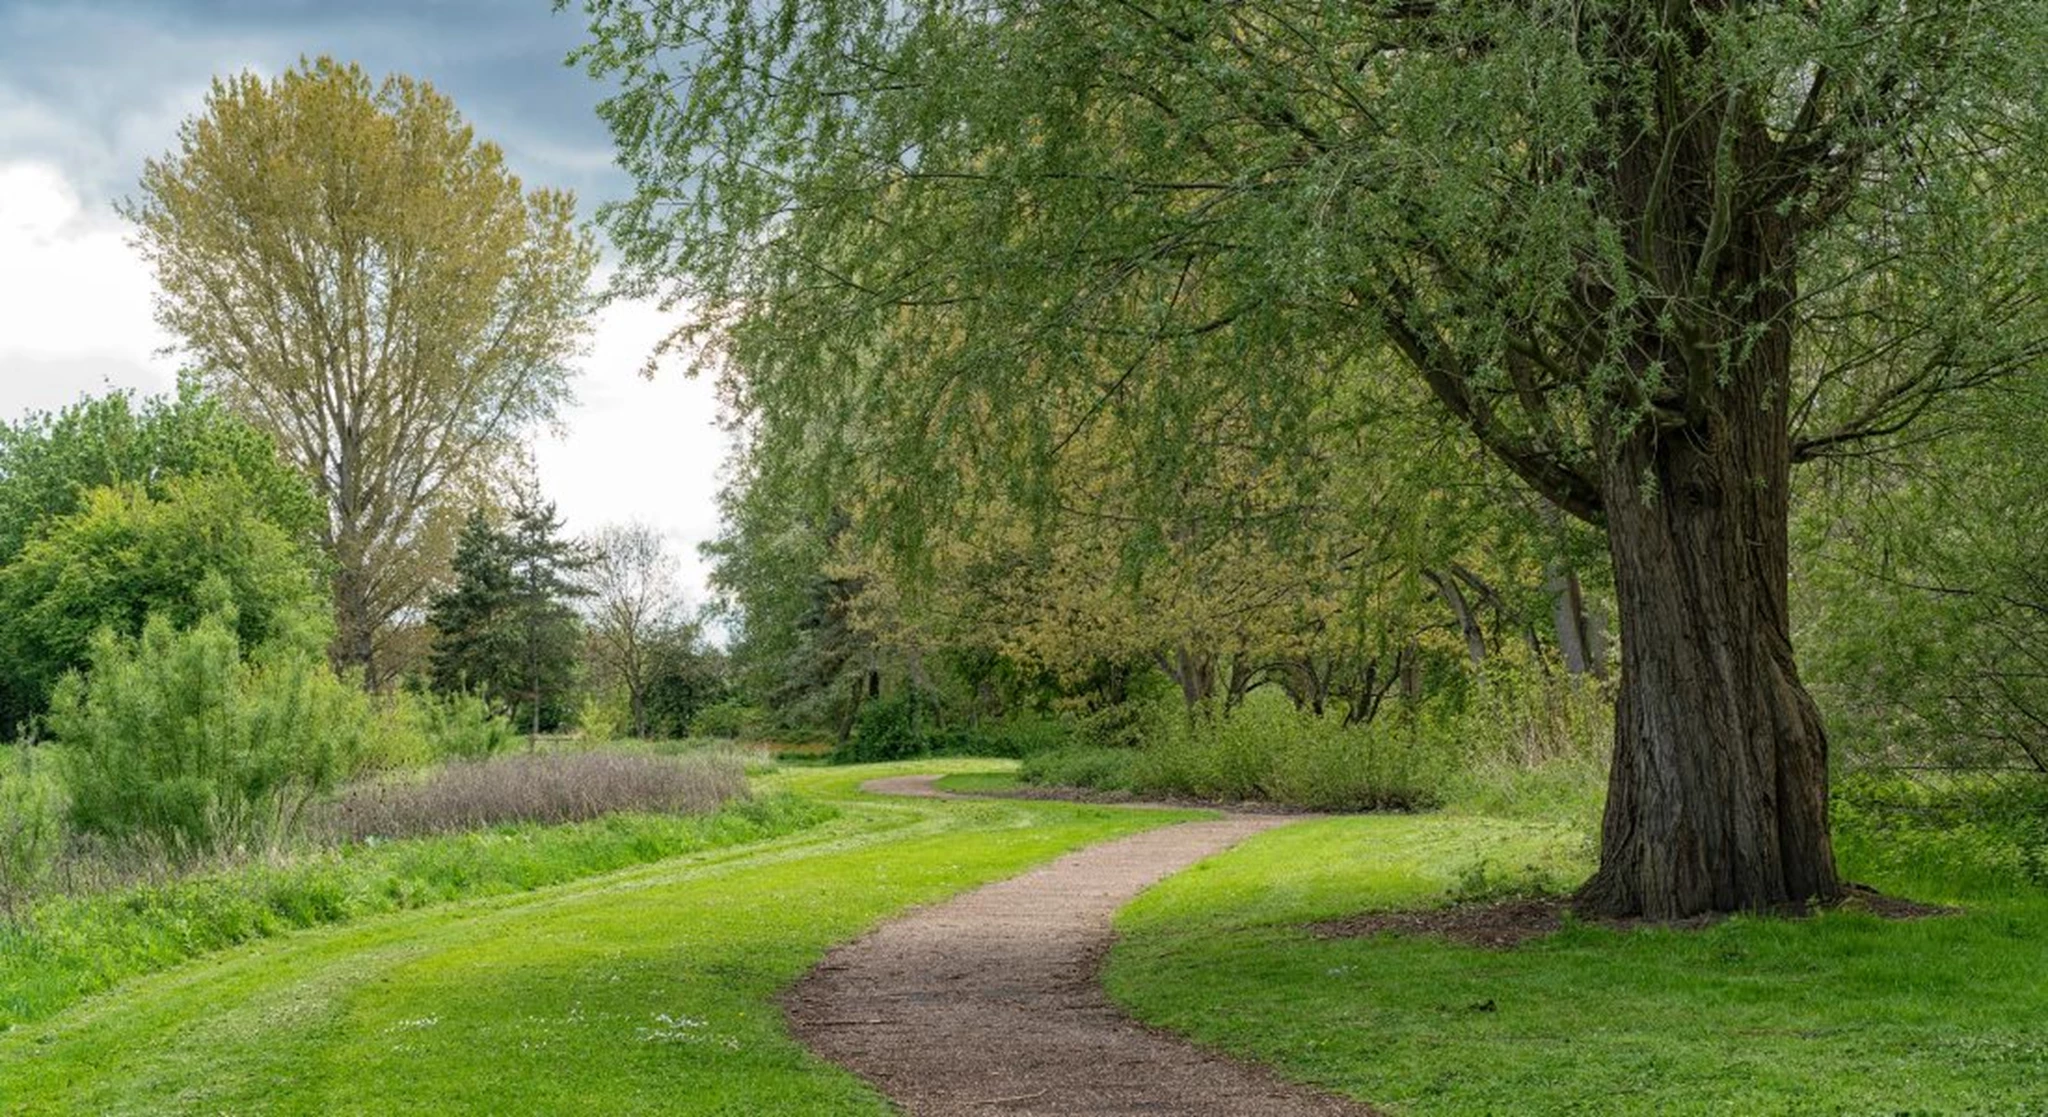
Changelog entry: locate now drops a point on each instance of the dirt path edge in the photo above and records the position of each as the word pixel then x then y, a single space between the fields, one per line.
pixel 992 1002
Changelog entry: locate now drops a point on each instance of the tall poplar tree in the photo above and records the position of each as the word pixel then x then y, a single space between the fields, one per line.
pixel 350 267
pixel 1649 253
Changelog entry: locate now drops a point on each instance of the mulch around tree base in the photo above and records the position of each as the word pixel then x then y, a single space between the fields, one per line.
pixel 1506 924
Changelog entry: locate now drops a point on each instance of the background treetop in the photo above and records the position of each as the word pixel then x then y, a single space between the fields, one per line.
pixel 348 265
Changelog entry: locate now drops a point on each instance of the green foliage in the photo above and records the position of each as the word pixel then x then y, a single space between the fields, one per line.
pixel 1089 766
pixel 351 266
pixel 31 825
pixel 894 727
pixel 730 719
pixel 1964 837
pixel 685 678
pixel 125 555
pixel 110 510
pixel 912 723
pixel 50 462
pixel 1924 602
pixel 415 730
pixel 1020 736
pixel 1511 741
pixel 506 629
pixel 1267 750
pixel 602 717
pixel 174 737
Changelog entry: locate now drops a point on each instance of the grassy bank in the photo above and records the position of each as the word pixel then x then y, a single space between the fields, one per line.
pixel 73 946
pixel 1845 1013
pixel 653 986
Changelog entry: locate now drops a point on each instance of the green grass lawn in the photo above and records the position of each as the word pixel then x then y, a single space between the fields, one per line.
pixel 73 946
pixel 980 783
pixel 647 990
pixel 1841 1014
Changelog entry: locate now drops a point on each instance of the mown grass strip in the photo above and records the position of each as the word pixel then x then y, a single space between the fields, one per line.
pixel 75 946
pixel 648 990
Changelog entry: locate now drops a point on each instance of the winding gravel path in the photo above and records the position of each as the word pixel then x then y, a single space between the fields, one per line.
pixel 991 1003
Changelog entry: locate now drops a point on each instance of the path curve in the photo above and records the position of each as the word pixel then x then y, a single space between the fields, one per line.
pixel 991 1004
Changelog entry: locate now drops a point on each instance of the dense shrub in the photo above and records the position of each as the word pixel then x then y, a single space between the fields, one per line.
pixel 417 730
pixel 127 554
pixel 899 727
pixel 462 725
pixel 1089 766
pixel 1514 741
pixel 174 737
pixel 731 719
pixel 535 788
pixel 602 717
pixel 1267 750
pixel 1024 736
pixel 890 728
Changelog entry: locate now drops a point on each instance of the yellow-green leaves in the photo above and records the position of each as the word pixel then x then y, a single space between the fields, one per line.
pixel 352 268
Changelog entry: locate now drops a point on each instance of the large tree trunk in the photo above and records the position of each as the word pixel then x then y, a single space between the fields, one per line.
pixel 1718 796
pixel 355 630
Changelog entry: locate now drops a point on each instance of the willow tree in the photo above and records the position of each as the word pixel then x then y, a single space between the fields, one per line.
pixel 1649 253
pixel 349 266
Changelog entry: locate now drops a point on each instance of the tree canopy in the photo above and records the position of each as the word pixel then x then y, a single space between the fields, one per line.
pixel 113 510
pixel 348 265
pixel 1648 255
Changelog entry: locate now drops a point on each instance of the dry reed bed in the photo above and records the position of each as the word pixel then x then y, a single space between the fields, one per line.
pixel 546 788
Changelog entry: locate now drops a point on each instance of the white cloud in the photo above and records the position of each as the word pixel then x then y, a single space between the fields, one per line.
pixel 75 318
pixel 638 449
pixel 74 297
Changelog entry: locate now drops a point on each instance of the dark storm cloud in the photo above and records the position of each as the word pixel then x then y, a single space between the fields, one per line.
pixel 96 88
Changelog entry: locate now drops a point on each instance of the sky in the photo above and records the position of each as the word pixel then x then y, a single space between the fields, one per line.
pixel 89 90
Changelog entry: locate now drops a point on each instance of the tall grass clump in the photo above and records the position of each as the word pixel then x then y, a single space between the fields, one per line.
pixel 31 826
pixel 1962 835
pixel 1531 744
pixel 547 788
pixel 175 738
pixel 1267 750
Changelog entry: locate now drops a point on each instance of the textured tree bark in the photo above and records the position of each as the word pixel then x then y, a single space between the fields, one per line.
pixel 1717 799
pixel 355 629
pixel 1568 619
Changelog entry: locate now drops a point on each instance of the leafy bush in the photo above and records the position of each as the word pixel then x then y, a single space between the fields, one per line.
pixel 174 737
pixel 602 717
pixel 1016 737
pixel 462 725
pixel 731 719
pixel 1267 750
pixel 890 728
pixel 1512 742
pixel 127 554
pixel 540 788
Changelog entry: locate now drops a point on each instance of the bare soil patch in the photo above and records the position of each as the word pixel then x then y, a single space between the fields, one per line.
pixel 992 1003
pixel 1506 924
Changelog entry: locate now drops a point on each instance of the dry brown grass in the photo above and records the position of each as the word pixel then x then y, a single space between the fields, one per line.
pixel 533 787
